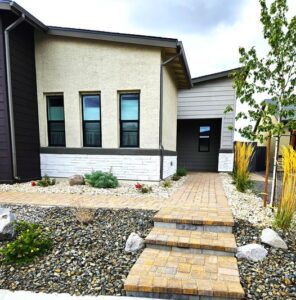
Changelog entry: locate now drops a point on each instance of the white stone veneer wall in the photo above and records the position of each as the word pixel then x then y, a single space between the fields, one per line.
pixel 225 162
pixel 129 167
pixel 169 166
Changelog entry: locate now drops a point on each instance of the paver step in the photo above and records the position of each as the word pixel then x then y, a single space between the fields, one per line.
pixel 191 241
pixel 201 218
pixel 175 275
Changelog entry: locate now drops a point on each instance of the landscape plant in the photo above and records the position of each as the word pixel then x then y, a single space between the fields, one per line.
pixel 176 177
pixel 241 174
pixel 273 75
pixel 146 189
pixel 44 182
pixel 181 172
pixel 287 203
pixel 101 180
pixel 166 184
pixel 31 241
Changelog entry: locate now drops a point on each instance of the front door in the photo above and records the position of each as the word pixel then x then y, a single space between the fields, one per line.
pixel 198 144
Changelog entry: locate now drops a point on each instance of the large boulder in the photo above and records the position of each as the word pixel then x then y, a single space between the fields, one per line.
pixel 253 252
pixel 7 230
pixel 271 238
pixel 134 243
pixel 76 180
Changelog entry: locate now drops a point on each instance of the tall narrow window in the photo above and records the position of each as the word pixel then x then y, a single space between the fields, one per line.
pixel 204 138
pixel 91 107
pixel 129 120
pixel 56 121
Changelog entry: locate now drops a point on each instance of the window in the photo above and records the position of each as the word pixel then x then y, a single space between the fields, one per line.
pixel 129 120
pixel 204 139
pixel 56 121
pixel 91 112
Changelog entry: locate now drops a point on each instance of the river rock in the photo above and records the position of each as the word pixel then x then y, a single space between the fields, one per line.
pixel 253 252
pixel 76 180
pixel 134 243
pixel 7 218
pixel 271 238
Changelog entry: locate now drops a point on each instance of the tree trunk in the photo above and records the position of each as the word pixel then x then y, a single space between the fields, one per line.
pixel 267 171
pixel 275 160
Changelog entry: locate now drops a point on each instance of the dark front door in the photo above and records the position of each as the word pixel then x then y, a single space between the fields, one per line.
pixel 198 144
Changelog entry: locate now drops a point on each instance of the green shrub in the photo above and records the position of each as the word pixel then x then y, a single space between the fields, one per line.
pixel 146 189
pixel 181 172
pixel 31 241
pixel 166 184
pixel 101 180
pixel 176 177
pixel 46 181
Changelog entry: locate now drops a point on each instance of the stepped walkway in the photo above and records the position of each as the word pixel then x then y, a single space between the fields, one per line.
pixel 190 251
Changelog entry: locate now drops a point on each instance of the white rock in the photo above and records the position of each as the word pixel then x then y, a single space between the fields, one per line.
pixel 6 224
pixel 253 252
pixel 134 243
pixel 271 238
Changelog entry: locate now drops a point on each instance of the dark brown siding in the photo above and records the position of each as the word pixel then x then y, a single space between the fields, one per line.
pixel 24 95
pixel 188 147
pixel 5 149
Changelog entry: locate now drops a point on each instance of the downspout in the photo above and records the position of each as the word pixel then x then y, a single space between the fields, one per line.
pixel 9 88
pixel 161 109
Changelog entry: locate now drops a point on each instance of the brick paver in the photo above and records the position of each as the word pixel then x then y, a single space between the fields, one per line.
pixel 170 272
pixel 192 239
pixel 200 189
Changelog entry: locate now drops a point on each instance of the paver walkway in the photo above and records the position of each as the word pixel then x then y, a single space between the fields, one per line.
pixel 178 263
pixel 200 189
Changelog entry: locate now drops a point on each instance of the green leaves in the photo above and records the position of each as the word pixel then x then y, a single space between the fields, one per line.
pixel 101 180
pixel 273 75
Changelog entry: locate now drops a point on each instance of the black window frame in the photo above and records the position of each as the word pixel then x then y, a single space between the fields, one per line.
pixel 49 122
pixel 129 121
pixel 91 121
pixel 205 138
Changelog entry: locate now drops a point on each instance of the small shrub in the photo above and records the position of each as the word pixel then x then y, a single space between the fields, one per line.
pixel 31 241
pixel 146 189
pixel 181 172
pixel 167 184
pixel 176 177
pixel 241 175
pixel 101 180
pixel 84 215
pixel 45 182
pixel 138 185
pixel 287 204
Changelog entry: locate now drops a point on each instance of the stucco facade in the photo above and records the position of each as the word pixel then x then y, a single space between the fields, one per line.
pixel 71 66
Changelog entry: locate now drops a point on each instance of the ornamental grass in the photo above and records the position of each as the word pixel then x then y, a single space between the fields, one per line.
pixel 287 203
pixel 242 158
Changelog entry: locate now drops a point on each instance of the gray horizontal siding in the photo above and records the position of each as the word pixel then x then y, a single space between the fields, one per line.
pixel 207 101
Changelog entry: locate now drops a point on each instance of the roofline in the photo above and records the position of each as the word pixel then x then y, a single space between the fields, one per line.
pixel 18 10
pixel 113 36
pixel 213 76
pixel 185 63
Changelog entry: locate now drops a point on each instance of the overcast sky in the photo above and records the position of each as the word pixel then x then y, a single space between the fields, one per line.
pixel 211 30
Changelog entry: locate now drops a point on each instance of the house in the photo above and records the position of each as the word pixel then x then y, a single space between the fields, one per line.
pixel 73 101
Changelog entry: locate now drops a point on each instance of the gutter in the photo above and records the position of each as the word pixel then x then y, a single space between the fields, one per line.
pixel 9 88
pixel 161 108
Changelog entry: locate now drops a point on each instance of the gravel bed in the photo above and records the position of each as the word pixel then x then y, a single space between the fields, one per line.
pixel 124 188
pixel 275 276
pixel 85 259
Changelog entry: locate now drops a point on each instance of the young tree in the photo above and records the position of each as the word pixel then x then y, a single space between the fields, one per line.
pixel 274 75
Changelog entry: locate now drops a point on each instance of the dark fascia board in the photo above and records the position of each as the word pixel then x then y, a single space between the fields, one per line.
pixel 106 151
pixel 209 77
pixel 185 64
pixel 18 10
pixel 113 37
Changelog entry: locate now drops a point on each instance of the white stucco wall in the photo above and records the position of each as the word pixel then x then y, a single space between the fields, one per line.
pixel 71 65
pixel 170 100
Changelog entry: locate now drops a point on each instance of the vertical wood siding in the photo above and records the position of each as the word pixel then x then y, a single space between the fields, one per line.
pixel 22 51
pixel 207 101
pixel 5 149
